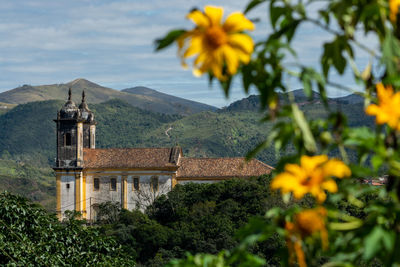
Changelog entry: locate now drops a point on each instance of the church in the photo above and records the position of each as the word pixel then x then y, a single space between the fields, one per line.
pixel 133 177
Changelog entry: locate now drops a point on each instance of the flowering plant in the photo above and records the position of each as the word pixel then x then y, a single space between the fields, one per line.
pixel 347 223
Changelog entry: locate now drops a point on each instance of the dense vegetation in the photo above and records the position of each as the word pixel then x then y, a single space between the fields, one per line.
pixel 29 236
pixel 28 131
pixel 27 135
pixel 193 218
pixel 33 182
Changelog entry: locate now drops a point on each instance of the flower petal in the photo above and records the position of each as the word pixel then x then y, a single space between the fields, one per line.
pixel 195 47
pixel 372 110
pixel 330 185
pixel 237 22
pixel 199 18
pixel 241 41
pixel 231 59
pixel 336 168
pixel 310 163
pixel 214 14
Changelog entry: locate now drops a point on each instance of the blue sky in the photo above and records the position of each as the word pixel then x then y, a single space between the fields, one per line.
pixel 111 43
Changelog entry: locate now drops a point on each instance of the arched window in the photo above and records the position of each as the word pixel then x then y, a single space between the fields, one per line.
pixel 136 183
pixel 67 139
pixel 96 184
pixel 154 183
pixel 113 184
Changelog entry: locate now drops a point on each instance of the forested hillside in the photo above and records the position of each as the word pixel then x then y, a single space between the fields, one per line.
pixel 154 101
pixel 28 137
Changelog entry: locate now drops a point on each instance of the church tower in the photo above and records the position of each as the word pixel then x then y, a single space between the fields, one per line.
pixel 89 124
pixel 76 129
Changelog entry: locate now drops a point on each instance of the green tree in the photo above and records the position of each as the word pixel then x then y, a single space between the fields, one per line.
pixel 29 236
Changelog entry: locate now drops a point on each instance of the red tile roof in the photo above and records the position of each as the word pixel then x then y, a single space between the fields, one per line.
pixel 130 157
pixel 221 167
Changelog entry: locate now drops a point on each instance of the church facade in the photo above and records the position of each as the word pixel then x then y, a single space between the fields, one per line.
pixel 87 176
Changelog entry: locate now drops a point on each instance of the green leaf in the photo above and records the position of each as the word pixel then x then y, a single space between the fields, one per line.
pixel 391 53
pixel 275 13
pixel 308 138
pixel 168 39
pixel 377 161
pixel 376 240
pixel 252 5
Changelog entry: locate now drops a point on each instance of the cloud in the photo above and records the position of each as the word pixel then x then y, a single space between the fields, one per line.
pixel 111 43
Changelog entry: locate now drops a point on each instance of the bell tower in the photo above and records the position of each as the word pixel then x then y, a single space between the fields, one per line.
pixel 89 124
pixel 76 130
pixel 69 132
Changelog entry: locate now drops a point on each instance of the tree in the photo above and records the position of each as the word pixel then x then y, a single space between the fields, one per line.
pixel 30 236
pixel 322 234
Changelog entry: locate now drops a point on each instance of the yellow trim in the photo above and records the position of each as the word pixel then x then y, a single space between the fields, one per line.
pixel 173 181
pixel 125 191
pixel 77 193
pixel 206 178
pixel 171 169
pixel 84 196
pixel 128 174
pixel 58 193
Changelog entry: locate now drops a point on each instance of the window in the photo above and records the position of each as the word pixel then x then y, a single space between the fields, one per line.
pixel 154 183
pixel 67 139
pixel 136 183
pixel 67 185
pixel 113 184
pixel 96 183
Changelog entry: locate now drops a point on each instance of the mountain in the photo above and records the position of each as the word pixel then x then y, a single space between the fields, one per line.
pixel 173 100
pixel 28 130
pixel 252 103
pixel 95 93
pixel 351 99
pixel 5 107
pixel 27 135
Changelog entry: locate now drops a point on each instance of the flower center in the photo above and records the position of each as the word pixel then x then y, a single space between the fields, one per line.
pixel 216 36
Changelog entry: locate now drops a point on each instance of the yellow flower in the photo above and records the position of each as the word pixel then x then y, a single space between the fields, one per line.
pixel 216 44
pixel 388 109
pixel 306 223
pixel 313 175
pixel 394 9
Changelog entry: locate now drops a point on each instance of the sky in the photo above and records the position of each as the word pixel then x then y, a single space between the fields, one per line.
pixel 111 43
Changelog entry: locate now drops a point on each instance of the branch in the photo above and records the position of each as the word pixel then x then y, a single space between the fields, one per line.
pixel 334 32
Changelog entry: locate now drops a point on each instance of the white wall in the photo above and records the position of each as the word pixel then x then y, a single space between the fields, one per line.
pixel 67 195
pixel 135 199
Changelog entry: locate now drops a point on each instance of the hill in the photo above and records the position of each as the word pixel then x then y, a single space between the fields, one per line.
pixel 97 94
pixel 194 106
pixel 252 103
pixel 28 132
pixel 5 107
pixel 33 182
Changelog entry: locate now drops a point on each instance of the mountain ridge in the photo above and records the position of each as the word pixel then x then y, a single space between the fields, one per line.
pixel 252 102
pixel 98 94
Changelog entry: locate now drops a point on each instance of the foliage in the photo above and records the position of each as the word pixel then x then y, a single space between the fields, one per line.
pixel 195 218
pixel 33 182
pixel 335 237
pixel 31 237
pixel 232 131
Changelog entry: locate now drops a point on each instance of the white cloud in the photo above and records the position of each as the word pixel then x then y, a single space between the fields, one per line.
pixel 111 43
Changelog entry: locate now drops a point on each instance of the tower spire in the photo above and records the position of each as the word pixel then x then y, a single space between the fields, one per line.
pixel 83 96
pixel 69 94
